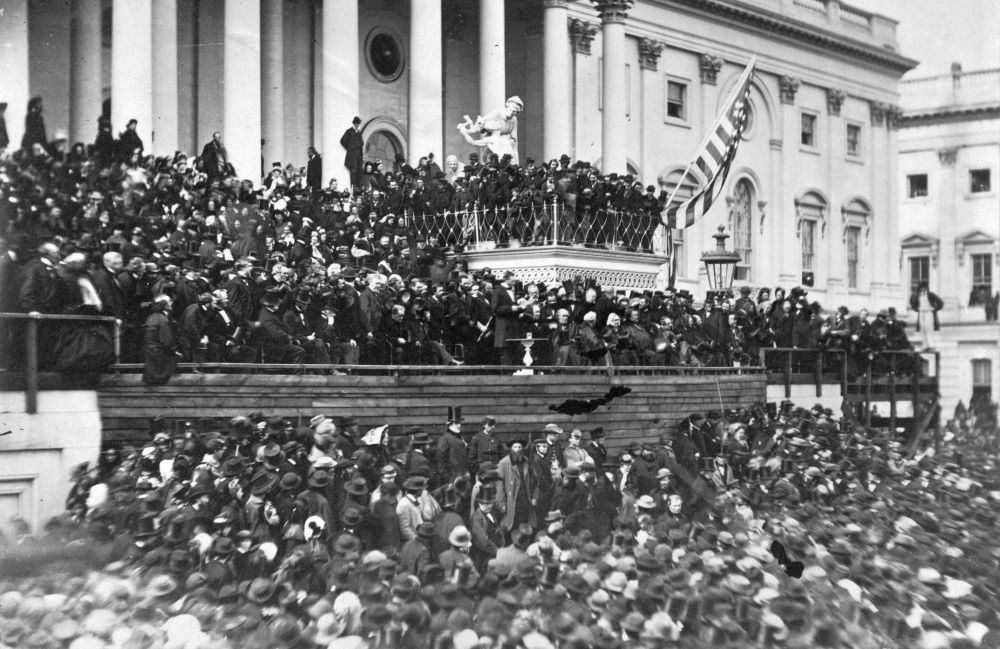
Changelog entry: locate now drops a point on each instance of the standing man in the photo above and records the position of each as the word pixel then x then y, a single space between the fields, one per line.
pixel 129 141
pixel 484 446
pixel 214 158
pixel 505 311
pixel 452 455
pixel 518 488
pixel 354 145
pixel 314 171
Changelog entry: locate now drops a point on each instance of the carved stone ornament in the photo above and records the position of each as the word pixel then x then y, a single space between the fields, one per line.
pixel 613 11
pixel 948 157
pixel 761 205
pixel 834 100
pixel 893 116
pixel 620 279
pixel 582 34
pixel 649 53
pixel 710 66
pixel 800 217
pixel 789 86
pixel 877 109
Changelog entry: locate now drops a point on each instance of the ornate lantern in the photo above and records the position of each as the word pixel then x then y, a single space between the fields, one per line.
pixel 720 264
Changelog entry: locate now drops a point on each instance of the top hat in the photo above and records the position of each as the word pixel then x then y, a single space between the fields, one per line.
pixel 454 414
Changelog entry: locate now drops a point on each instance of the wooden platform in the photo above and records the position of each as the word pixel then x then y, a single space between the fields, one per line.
pixel 520 403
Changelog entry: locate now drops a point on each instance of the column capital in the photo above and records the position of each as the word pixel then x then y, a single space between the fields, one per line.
pixel 710 66
pixel 555 4
pixel 582 33
pixel 948 157
pixel 649 53
pixel 834 100
pixel 789 86
pixel 893 116
pixel 877 110
pixel 613 11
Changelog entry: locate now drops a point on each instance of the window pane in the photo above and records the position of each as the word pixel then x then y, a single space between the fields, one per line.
pixel 980 180
pixel 808 237
pixel 982 372
pixel 676 100
pixel 808 130
pixel 853 138
pixel 982 278
pixel 919 271
pixel 743 228
pixel 853 236
pixel 916 185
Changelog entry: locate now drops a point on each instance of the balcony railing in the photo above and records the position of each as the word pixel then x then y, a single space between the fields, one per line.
pixel 550 224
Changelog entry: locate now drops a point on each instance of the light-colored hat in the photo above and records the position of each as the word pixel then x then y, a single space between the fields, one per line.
pixel 460 537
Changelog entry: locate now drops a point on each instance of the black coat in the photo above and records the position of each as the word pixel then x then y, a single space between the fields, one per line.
pixel 351 141
pixel 314 172
pixel 34 130
pixel 40 288
pixel 110 291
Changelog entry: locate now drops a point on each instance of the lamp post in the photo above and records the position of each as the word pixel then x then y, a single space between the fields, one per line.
pixel 720 265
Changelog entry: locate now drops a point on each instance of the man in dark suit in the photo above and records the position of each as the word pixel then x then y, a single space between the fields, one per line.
pixel 109 289
pixel 278 344
pixel 40 283
pixel 314 171
pixel 354 145
pixel 452 452
pixel 241 294
pixel 213 157
pixel 505 311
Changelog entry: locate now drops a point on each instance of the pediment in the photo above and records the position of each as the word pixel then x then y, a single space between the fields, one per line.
pixel 919 241
pixel 975 237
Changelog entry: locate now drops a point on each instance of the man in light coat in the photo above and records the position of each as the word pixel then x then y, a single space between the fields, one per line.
pixel 518 488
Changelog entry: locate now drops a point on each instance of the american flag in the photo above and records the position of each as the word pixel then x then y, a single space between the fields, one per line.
pixel 715 155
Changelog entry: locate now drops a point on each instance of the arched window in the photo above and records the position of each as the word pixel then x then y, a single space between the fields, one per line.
pixel 382 146
pixel 742 224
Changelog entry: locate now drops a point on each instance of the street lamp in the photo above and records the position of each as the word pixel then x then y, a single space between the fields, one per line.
pixel 720 264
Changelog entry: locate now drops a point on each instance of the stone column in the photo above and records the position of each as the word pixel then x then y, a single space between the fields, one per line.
pixel 426 100
pixel 272 81
pixel 14 53
pixel 132 67
pixel 341 83
pixel 492 56
pixel 614 158
pixel 85 84
pixel 556 77
pixel 241 87
pixel 880 241
pixel 166 114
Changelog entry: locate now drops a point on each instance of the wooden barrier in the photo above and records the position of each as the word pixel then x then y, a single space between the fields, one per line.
pixel 520 403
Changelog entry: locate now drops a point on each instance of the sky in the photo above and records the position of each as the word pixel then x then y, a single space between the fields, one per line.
pixel 938 32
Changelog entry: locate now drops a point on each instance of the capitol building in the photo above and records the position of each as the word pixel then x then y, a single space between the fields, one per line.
pixel 630 87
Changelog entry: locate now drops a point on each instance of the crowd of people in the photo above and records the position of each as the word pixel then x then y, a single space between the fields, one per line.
pixel 749 528
pixel 200 266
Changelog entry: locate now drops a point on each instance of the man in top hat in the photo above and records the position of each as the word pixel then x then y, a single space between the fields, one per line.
pixel 487 534
pixel 298 322
pixel 452 456
pixel 417 462
pixel 353 145
pixel 484 445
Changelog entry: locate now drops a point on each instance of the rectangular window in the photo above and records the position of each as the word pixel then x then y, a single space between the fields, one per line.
pixel 676 100
pixel 920 272
pixel 916 185
pixel 982 275
pixel 808 129
pixel 853 237
pixel 853 139
pixel 982 380
pixel 808 234
pixel 679 260
pixel 979 181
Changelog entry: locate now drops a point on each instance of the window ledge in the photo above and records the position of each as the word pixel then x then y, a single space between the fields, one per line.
pixel 972 196
pixel 676 121
pixel 811 150
pixel 854 159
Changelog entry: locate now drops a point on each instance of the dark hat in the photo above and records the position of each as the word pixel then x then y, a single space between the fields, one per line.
pixel 415 483
pixel 290 482
pixel 357 486
pixel 319 479
pixel 263 483
pixel 490 420
pixel 598 433
pixel 420 438
pixel 487 494
pixel 222 545
pixel 351 517
pixel 427 531
pixel 261 590
pixel 232 467
pixel 356 120
pixel 454 414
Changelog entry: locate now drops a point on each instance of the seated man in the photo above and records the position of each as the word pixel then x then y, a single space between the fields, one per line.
pixel 279 346
pixel 299 326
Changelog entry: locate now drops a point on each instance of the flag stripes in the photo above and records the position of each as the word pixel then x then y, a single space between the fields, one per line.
pixel 714 159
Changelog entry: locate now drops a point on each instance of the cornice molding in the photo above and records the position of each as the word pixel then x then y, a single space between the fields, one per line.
pixel 801 31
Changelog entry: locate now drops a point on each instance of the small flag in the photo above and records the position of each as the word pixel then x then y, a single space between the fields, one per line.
pixel 374 436
pixel 714 158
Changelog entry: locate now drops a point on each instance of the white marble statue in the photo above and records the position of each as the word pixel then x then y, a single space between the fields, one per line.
pixel 496 130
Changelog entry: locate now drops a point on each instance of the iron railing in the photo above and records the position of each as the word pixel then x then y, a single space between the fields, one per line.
pixel 549 224
pixel 31 346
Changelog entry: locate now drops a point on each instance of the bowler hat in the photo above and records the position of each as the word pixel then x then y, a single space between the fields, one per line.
pixel 357 486
pixel 319 479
